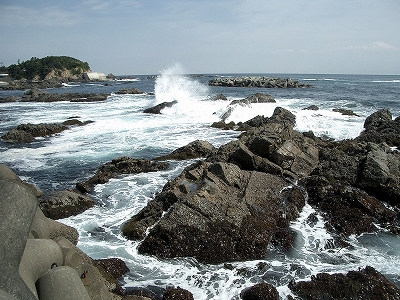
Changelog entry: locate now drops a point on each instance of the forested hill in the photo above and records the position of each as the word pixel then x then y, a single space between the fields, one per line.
pixel 53 66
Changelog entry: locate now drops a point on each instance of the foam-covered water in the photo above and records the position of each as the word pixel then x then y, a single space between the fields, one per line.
pixel 121 128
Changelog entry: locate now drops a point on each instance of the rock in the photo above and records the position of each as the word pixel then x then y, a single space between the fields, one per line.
pixel 114 267
pixel 216 213
pixel 261 291
pixel 346 112
pixel 311 107
pixel 194 149
pixel 219 97
pixel 129 91
pixel 25 133
pixel 222 125
pixel 121 165
pixel 64 204
pixel 379 127
pixel 177 294
pixel 256 98
pixel 9 99
pixel 256 81
pixel 36 95
pixel 366 284
pixel 159 107
pixel 348 210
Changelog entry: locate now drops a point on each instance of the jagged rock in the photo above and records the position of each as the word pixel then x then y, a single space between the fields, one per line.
pixel 379 127
pixel 256 98
pixel 192 150
pixel 222 125
pixel 36 95
pixel 367 284
pixel 219 97
pixel 26 133
pixel 348 210
pixel 64 204
pixel 9 99
pixel 121 165
pixel 216 212
pixel 159 107
pixel 261 291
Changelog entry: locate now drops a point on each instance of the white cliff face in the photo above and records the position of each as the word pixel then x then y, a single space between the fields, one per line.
pixel 93 76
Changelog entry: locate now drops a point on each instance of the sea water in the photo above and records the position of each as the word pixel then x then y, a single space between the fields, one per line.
pixel 121 128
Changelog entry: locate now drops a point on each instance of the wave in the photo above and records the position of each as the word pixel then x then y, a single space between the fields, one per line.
pixel 387 81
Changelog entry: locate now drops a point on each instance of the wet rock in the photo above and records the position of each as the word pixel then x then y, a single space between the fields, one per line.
pixel 366 284
pixel 192 150
pixel 216 213
pixel 348 210
pixel 261 291
pixel 256 98
pixel 118 166
pixel 222 125
pixel 64 204
pixel 9 99
pixel 26 133
pixel 380 127
pixel 345 112
pixel 311 107
pixel 177 294
pixel 112 269
pixel 219 97
pixel 159 107
pixel 36 95
pixel 129 91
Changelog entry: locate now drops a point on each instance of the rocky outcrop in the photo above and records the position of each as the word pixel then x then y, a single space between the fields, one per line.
pixel 193 150
pixel 36 95
pixel 63 204
pixel 256 98
pixel 26 133
pixel 129 91
pixel 257 81
pixel 118 166
pixel 216 212
pixel 380 127
pixel 366 284
pixel 159 107
pixel 177 294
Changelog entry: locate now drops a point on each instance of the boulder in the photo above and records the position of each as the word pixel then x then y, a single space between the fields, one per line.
pixel 345 112
pixel 26 133
pixel 177 294
pixel 367 284
pixel 194 149
pixel 159 107
pixel 256 98
pixel 380 127
pixel 63 204
pixel 216 213
pixel 261 291
pixel 257 81
pixel 118 166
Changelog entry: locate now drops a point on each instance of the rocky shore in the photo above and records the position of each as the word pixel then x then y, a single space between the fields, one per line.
pixel 233 204
pixel 257 81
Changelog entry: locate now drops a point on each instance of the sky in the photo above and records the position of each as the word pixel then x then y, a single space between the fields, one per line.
pixel 253 36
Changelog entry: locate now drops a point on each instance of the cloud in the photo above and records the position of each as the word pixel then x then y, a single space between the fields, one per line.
pixel 372 46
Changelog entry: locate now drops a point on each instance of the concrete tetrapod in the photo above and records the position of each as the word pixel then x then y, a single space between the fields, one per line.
pixel 61 283
pixel 39 256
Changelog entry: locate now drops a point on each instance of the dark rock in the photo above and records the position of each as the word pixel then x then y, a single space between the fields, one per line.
pixel 64 204
pixel 9 99
pixel 366 284
pixel 159 107
pixel 36 95
pixel 379 127
pixel 216 213
pixel 261 291
pixel 256 98
pixel 346 112
pixel 26 133
pixel 311 107
pixel 194 149
pixel 256 81
pixel 348 210
pixel 257 121
pixel 177 294
pixel 76 122
pixel 129 91
pixel 222 125
pixel 121 165
pixel 112 269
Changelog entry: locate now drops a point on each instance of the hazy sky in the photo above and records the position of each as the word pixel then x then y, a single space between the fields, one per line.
pixel 219 36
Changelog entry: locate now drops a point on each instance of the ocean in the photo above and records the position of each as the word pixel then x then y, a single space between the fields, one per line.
pixel 121 128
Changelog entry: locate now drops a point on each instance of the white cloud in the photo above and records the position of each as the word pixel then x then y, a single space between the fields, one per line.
pixel 372 46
